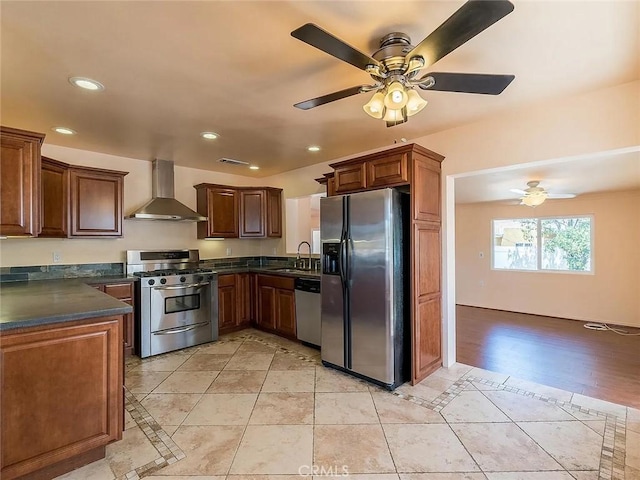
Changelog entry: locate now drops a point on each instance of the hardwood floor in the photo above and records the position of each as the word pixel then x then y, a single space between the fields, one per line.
pixel 552 351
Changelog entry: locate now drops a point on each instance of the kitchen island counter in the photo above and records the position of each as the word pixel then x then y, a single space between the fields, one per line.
pixel 29 304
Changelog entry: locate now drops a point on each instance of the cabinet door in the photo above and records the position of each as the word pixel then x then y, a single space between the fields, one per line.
pixel 350 178
pixel 96 203
pixel 388 171
pixel 124 292
pixel 220 206
pixel 252 213
pixel 67 380
pixel 274 212
pixel 54 196
pixel 266 315
pixel 19 182
pixel 285 312
pixel 227 299
pixel 243 304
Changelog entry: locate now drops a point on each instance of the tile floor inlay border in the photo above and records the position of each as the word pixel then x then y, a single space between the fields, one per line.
pixel 612 456
pixel 161 441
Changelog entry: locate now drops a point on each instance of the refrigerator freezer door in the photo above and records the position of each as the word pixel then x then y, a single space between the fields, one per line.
pixel 332 304
pixel 371 284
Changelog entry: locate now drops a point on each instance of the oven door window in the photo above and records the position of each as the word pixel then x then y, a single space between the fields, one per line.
pixel 182 303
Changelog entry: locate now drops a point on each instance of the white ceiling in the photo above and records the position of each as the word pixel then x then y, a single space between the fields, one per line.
pixel 175 69
pixel 601 173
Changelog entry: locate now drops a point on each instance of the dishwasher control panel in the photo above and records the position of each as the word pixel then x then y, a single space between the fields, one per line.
pixel 308 285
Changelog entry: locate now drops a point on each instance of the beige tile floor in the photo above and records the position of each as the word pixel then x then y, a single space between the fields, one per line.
pixel 257 407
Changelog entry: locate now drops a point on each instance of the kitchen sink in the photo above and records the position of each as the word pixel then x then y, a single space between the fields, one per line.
pixel 292 270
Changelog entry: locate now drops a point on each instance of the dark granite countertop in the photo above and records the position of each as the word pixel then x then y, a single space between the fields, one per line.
pixel 29 304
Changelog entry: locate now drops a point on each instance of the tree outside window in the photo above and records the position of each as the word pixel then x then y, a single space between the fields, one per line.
pixel 559 244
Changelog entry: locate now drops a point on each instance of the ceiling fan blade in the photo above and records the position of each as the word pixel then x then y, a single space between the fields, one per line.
pixel 469 83
pixel 330 97
pixel 467 22
pixel 518 191
pixel 323 40
pixel 561 195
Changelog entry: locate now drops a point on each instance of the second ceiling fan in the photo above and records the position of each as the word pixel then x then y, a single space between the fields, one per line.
pixel 395 67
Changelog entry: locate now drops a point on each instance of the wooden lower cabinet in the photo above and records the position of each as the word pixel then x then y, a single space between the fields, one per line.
pixel 123 292
pixel 275 305
pixel 234 302
pixel 62 395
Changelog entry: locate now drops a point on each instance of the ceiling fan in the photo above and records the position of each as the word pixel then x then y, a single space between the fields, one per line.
pixel 535 195
pixel 396 65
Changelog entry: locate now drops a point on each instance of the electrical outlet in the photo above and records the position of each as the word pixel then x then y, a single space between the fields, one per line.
pixel 228 251
pixel 57 257
pixel 274 251
pixel 481 254
pixel 482 283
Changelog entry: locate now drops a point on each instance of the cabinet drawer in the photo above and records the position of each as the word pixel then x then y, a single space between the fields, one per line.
pixel 226 280
pixel 276 281
pixel 119 290
pixel 388 171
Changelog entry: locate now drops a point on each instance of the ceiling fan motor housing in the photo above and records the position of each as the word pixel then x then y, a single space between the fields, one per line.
pixel 393 48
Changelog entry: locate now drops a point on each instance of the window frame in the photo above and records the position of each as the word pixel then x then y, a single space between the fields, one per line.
pixel 539 268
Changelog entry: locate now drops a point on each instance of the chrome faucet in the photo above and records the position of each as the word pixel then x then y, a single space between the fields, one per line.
pixel 298 256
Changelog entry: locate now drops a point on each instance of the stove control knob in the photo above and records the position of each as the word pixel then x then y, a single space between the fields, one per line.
pixel 182 279
pixel 200 278
pixel 163 281
pixel 152 281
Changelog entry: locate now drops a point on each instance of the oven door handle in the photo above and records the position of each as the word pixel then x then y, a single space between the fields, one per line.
pixel 182 287
pixel 173 331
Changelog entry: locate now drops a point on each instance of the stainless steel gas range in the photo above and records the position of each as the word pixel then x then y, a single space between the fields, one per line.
pixel 178 300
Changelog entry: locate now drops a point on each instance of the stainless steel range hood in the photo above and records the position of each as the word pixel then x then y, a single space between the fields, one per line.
pixel 163 205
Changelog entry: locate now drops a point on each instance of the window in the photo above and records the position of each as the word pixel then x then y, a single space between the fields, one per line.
pixel 553 244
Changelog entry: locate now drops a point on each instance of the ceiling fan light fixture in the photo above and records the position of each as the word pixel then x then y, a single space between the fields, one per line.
pixel 396 97
pixel 375 107
pixel 415 103
pixel 533 200
pixel 395 116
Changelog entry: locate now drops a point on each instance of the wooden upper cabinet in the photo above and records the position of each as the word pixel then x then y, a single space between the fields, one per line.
pixel 274 212
pixel 220 205
pixel 242 212
pixel 425 192
pixel 80 201
pixel 253 213
pixel 95 201
pixel 329 181
pixel 54 196
pixel 350 178
pixel 388 171
pixel 20 182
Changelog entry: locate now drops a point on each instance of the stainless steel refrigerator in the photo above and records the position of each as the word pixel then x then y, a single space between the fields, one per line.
pixel 365 286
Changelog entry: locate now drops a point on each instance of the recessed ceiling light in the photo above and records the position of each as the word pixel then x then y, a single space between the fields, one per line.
pixel 254 167
pixel 313 148
pixel 86 83
pixel 64 130
pixel 209 135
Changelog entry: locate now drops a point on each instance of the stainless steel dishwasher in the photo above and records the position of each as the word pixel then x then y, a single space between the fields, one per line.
pixel 308 322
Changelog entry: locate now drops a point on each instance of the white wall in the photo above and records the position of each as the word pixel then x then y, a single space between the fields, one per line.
pixel 608 295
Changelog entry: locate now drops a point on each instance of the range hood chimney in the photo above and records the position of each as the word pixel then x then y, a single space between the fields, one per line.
pixel 163 205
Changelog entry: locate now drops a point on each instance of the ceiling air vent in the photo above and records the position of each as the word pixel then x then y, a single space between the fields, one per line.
pixel 231 161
